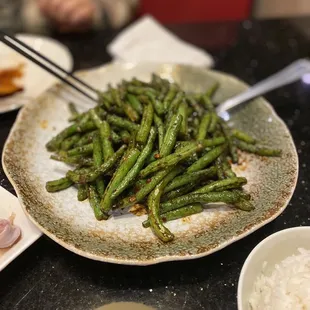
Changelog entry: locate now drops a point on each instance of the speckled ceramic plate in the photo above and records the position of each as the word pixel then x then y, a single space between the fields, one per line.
pixel 122 239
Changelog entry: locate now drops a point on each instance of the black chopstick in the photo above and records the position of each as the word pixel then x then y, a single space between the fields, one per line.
pixel 4 38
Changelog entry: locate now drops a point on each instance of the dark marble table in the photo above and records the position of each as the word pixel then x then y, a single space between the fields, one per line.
pixel 46 276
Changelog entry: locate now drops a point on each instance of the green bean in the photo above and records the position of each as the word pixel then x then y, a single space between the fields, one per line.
pixel 131 113
pixel 244 205
pixel 243 195
pixel 160 129
pixel 81 150
pixel 153 202
pixel 138 90
pixel 77 117
pixel 146 124
pixel 117 110
pixel 97 151
pixel 135 103
pixel 250 148
pixel 213 123
pixel 219 167
pixel 95 118
pixel 169 96
pixel 106 96
pixel 171 135
pixel 58 185
pixel 178 213
pixel 105 135
pixel 98 160
pixel 153 156
pixel 206 143
pixel 191 177
pixel 125 135
pixel 240 135
pixel 127 162
pixel 193 128
pixel 122 123
pixel 163 92
pixel 229 197
pixel 134 171
pixel 195 105
pixel 116 96
pixel 207 159
pixel 174 106
pixel 156 80
pixel 73 110
pixel 136 82
pixel 227 169
pixel 185 189
pixel 86 138
pixel 232 148
pixel 207 103
pixel 115 137
pixel 222 185
pixel 68 143
pixel 211 91
pixel 170 160
pixel 183 108
pixel 55 143
pixel 145 190
pixel 203 126
pixel 94 200
pixel 71 160
pixel 96 172
pixel 105 100
pixel 82 193
pixel 157 105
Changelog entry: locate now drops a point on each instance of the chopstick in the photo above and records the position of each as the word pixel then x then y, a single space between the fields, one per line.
pixel 25 50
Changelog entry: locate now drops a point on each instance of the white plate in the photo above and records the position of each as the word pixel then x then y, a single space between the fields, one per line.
pixel 35 80
pixel 9 205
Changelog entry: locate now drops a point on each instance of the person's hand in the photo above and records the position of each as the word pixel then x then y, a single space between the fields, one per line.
pixel 69 15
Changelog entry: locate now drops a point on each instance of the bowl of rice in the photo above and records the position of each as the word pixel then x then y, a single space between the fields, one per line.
pixel 276 274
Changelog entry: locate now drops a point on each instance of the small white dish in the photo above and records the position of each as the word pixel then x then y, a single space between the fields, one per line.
pixel 29 233
pixel 271 250
pixel 35 80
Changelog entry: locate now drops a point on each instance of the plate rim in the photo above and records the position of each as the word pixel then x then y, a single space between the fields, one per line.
pixel 159 259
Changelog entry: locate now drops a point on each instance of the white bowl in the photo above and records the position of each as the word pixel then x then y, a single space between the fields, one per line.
pixel 271 250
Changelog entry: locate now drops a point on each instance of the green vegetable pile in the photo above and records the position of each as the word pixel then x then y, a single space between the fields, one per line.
pixel 155 145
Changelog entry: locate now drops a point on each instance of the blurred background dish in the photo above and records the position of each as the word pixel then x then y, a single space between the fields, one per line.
pixel 23 80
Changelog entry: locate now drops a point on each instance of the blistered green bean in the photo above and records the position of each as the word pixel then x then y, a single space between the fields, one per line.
pixel 207 159
pixel 170 160
pixel 229 197
pixel 134 171
pixel 127 162
pixel 171 135
pixel 146 124
pixel 192 177
pixel 257 149
pixel 222 185
pixel 58 185
pixel 156 223
pixel 178 213
pixel 96 172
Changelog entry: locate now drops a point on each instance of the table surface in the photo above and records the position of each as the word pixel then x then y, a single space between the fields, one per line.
pixel 47 276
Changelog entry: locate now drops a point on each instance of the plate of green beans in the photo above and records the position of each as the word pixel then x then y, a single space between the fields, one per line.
pixel 150 173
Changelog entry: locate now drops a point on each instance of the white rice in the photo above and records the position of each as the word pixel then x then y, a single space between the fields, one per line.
pixel 288 287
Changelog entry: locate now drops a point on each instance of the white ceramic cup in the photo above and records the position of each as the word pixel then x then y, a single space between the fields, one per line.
pixel 271 250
